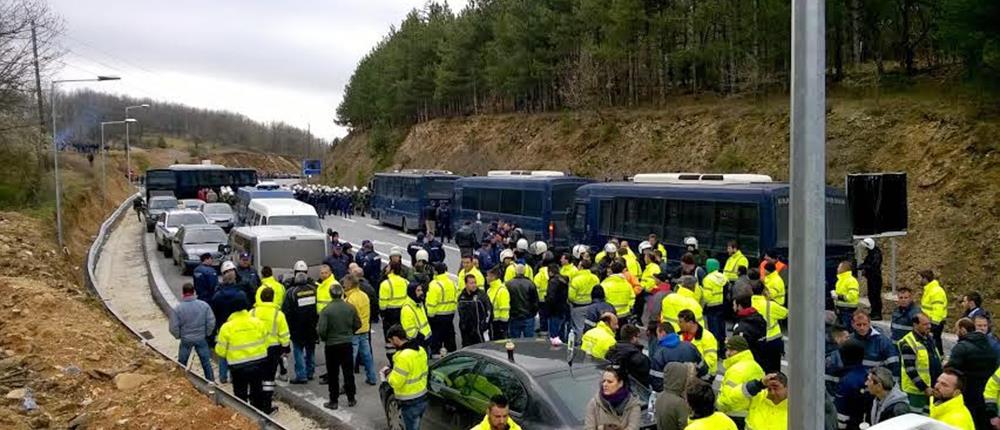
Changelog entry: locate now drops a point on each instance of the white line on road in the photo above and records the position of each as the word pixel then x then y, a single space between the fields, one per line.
pixel 408 236
pixel 451 248
pixel 375 227
pixel 348 220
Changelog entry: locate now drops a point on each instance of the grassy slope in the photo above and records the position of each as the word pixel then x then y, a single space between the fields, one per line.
pixel 948 148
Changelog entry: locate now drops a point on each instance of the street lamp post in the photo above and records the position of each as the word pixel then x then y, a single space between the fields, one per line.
pixel 128 148
pixel 55 146
pixel 104 172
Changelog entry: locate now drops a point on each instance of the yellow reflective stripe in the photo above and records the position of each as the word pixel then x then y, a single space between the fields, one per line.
pixel 246 346
pixel 411 396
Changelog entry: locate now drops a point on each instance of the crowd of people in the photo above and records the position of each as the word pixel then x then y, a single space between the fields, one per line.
pixel 342 201
pixel 673 325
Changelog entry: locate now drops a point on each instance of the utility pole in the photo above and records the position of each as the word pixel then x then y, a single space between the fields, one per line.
pixel 807 215
pixel 38 93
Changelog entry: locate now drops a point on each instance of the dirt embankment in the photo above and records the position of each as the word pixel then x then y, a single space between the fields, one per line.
pixel 64 362
pixel 949 151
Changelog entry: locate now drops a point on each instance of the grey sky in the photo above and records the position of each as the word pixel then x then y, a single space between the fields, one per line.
pixel 271 60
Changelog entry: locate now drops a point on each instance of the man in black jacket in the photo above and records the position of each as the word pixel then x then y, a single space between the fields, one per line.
pixel 300 311
pixel 523 304
pixel 751 325
pixel 871 269
pixel 466 240
pixel 974 357
pixel 557 304
pixel 474 312
pixel 628 354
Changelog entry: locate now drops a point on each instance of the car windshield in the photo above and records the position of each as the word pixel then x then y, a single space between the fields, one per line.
pixel 165 203
pixel 574 390
pixel 308 221
pixel 283 253
pixel 218 209
pixel 177 220
pixel 213 235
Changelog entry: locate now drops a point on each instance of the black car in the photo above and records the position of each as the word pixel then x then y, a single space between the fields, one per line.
pixel 544 390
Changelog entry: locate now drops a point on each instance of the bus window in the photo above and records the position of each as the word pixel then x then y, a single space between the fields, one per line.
pixel 532 204
pixel 489 200
pixel 470 199
pixel 606 213
pixel 648 218
pixel 562 197
pixel 838 223
pixel 439 189
pixel 580 217
pixel 510 201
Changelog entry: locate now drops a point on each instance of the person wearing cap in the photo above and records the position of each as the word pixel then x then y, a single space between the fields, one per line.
pixel 713 294
pixel 269 281
pixel 691 246
pixel 413 315
pixel 392 293
pixel 228 299
pixel 524 304
pixel 242 343
pixel 889 402
pixel 774 284
pixel 192 322
pixel 871 269
pixel 735 261
pixel 326 282
pixel 300 311
pixel 371 264
pixel 604 259
pixel 246 275
pixel 416 245
pixel 337 260
pixel 205 278
pixel 741 369
pixel 269 312
pixel 336 326
pixel 434 248
pixel 442 300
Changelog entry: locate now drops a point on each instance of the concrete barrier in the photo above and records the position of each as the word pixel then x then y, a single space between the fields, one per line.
pixel 263 421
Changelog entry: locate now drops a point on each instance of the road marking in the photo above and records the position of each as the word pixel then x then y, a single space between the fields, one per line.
pixel 408 236
pixel 375 227
pixel 451 248
pixel 348 220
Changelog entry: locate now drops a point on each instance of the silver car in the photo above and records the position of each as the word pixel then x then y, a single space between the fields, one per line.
pixel 156 206
pixel 195 204
pixel 170 222
pixel 193 240
pixel 221 214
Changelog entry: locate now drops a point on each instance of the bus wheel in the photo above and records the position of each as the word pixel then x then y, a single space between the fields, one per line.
pixel 403 225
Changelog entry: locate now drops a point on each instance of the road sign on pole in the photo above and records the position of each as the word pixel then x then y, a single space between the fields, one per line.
pixel 312 167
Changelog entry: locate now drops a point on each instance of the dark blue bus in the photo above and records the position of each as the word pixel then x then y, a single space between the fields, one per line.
pixel 713 208
pixel 536 201
pixel 399 197
pixel 184 180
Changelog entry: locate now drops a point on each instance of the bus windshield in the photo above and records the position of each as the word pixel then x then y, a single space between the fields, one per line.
pixel 308 221
pixel 162 203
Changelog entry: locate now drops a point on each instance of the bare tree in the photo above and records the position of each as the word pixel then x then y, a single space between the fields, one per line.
pixel 17 69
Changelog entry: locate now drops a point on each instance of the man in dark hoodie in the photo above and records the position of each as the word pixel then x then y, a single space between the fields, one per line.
pixel 592 312
pixel 974 358
pixel 668 349
pixel 751 325
pixel 557 303
pixel 474 312
pixel 671 408
pixel 628 353
pixel 851 400
pixel 890 401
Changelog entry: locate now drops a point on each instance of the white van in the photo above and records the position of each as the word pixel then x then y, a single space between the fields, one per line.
pixel 282 212
pixel 279 246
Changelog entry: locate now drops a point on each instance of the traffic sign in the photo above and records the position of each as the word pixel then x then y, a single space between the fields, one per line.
pixel 311 167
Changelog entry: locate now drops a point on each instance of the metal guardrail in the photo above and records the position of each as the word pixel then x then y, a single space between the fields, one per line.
pixel 220 397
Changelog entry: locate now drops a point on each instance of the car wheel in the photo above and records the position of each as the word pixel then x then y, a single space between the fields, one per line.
pixel 149 228
pixel 393 414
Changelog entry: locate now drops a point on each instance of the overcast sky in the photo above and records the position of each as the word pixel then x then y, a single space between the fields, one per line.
pixel 270 60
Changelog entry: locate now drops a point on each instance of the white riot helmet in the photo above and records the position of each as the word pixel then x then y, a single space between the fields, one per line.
pixel 579 250
pixel 644 245
pixel 691 241
pixel 505 254
pixel 522 244
pixel 300 266
pixel 396 252
pixel 227 266
pixel 422 255
pixel 868 243
pixel 610 248
pixel 539 248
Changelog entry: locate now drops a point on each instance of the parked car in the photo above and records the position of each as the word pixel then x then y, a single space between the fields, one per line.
pixel 193 240
pixel 155 207
pixel 544 391
pixel 221 214
pixel 194 204
pixel 170 221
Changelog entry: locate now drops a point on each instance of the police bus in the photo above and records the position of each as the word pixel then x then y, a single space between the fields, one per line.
pixel 536 201
pixel 400 197
pixel 184 180
pixel 750 209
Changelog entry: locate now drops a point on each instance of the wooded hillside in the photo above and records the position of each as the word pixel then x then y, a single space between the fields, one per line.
pixel 499 56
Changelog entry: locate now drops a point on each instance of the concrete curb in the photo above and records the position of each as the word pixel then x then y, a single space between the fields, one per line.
pixel 166 301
